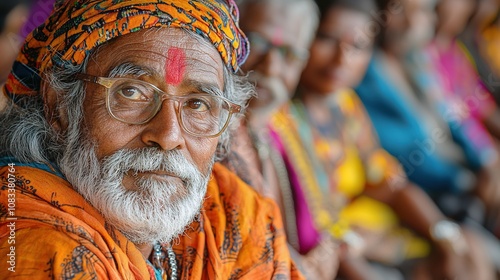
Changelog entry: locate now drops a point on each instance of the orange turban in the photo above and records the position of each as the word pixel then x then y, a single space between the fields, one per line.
pixel 75 28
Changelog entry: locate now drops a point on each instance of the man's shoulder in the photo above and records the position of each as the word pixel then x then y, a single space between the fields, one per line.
pixel 245 229
pixel 229 188
pixel 45 252
pixel 7 161
pixel 225 180
pixel 230 202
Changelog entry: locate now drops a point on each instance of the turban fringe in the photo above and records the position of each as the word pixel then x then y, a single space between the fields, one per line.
pixel 78 27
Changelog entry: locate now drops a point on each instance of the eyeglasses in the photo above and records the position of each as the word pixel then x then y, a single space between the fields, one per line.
pixel 137 102
pixel 261 45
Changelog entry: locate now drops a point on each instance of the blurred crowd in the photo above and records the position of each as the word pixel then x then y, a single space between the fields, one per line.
pixel 375 127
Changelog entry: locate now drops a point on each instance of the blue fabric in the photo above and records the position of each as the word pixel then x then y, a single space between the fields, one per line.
pixel 397 125
pixel 477 154
pixel 5 160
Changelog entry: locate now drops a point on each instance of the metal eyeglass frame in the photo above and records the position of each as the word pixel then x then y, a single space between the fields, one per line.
pixel 108 83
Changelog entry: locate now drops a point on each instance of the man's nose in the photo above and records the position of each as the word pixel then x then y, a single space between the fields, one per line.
pixel 164 130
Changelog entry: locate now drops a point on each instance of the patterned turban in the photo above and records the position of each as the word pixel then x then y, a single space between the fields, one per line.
pixel 76 27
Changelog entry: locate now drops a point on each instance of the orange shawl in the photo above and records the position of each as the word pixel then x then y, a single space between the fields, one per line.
pixel 59 235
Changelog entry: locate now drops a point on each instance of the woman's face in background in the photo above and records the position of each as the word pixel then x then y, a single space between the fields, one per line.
pixel 410 27
pixel 340 52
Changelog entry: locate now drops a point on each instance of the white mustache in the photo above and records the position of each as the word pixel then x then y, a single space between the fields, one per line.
pixel 149 160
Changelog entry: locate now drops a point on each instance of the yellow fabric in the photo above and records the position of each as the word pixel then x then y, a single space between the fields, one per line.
pixel 371 166
pixel 369 213
pixel 364 164
pixel 350 174
pixel 323 210
pixel 491 47
pixel 379 165
pixel 58 235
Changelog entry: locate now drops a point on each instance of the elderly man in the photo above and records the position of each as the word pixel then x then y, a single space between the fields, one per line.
pixel 118 111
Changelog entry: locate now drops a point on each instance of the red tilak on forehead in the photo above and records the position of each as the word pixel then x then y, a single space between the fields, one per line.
pixel 277 36
pixel 175 65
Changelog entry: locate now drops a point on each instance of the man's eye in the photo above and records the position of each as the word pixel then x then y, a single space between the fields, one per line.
pixel 197 104
pixel 132 93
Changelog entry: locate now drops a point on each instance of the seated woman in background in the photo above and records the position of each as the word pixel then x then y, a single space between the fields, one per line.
pixel 357 176
pixel 457 71
pixel 429 136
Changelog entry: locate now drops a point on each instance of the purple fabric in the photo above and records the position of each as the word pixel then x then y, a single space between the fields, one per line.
pixel 39 12
pixel 308 235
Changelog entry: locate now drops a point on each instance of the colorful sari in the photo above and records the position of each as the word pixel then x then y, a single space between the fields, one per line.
pixel 419 148
pixel 330 174
pixel 463 97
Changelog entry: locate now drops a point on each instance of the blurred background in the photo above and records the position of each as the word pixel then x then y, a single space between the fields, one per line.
pixel 380 121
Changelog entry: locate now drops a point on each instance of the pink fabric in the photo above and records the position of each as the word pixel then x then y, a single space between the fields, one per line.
pixel 459 78
pixel 465 99
pixel 308 235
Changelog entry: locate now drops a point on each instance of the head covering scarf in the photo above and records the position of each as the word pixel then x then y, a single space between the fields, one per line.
pixel 75 28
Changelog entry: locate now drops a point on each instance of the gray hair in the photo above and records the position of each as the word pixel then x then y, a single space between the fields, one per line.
pixel 28 137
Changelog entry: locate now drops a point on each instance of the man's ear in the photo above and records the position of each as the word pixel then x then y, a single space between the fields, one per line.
pixel 54 113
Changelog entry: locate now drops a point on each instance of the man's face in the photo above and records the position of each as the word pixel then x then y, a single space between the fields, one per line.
pixel 154 175
pixel 278 37
pixel 340 52
pixel 176 63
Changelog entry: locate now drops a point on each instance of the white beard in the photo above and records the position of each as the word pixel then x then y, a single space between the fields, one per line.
pixel 150 211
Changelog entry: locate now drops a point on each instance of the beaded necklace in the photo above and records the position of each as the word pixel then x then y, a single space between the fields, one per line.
pixel 159 259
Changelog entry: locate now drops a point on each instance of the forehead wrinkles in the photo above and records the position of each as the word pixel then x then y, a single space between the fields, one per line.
pixel 154 44
pixel 193 45
pixel 199 63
